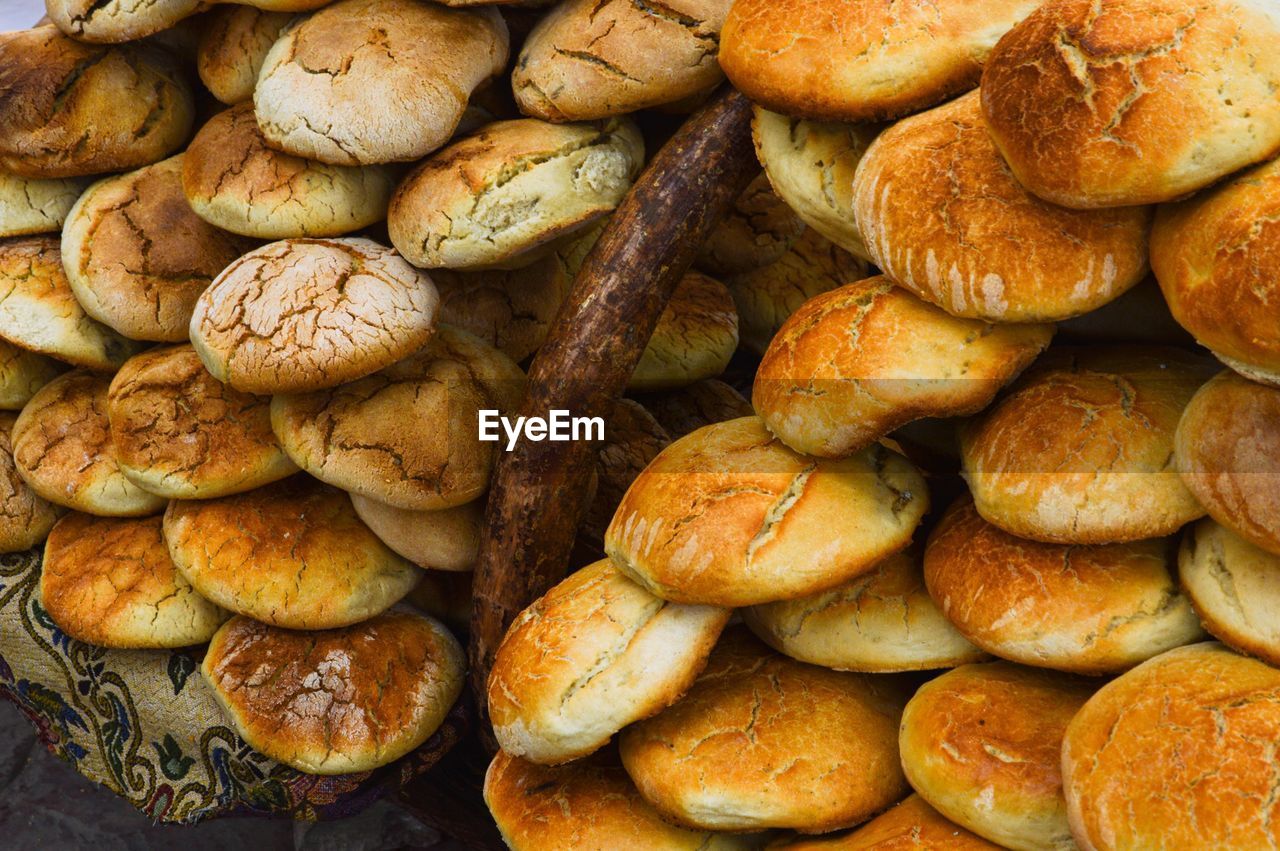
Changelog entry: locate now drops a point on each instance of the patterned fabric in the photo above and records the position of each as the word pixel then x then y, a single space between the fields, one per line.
pixel 145 724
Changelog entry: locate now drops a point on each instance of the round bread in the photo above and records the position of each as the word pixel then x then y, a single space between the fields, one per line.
pixel 447 539
pixel 31 205
pixel 1080 450
pixel 767 296
pixel 594 654
pixel 137 257
pixel 1138 315
pixel 291 554
pixel 234 180
pixel 63 450
pixel 912 825
pixel 376 81
pixel 408 435
pixel 853 364
pixel 499 197
pixel 39 311
pixel 762 741
pixel 25 518
pixel 233 45
pixel 980 744
pixel 730 516
pixel 22 373
pixel 305 314
pixel 1216 259
pixel 511 309
pixel 113 21
pixel 1088 609
pixel 339 701
pixel 586 805
pixel 1232 585
pixel 695 337
pixel 180 433
pixel 69 109
pixel 1103 103
pixel 589 59
pixel 861 61
pixel 110 582
pixel 757 231
pixel 1227 449
pixel 945 218
pixel 695 405
pixel 632 439
pixel 1155 756
pixel 880 622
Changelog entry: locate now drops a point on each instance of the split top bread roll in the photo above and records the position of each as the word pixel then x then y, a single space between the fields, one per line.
pixel 1088 609
pixel 338 701
pixel 233 45
pixel 944 217
pixel 110 582
pixel 447 539
pixel 1232 585
pixel 730 516
pixel 853 364
pixel 31 205
pixel 1156 755
pixel 713 759
pixel 1080 450
pixel 1101 104
pixel 69 109
pixel 25 517
pixel 912 825
pixel 511 309
pixel 594 654
pixel 695 337
pixel 375 81
pixel 757 231
pixel 861 61
pixel 981 742
pixel 590 59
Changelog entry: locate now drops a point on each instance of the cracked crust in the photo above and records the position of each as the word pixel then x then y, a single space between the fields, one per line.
pixel 589 59
pixel 307 314
pixel 40 313
pixel 632 438
pixel 880 622
pixel 1080 449
pixel 110 582
pixel 867 61
pixel 1177 753
pixel 757 231
pixel 232 48
pixel 945 218
pixel 447 539
pixel 291 554
pixel 729 516
pixel 25 518
pixel 511 309
pixel 597 652
pixel 407 435
pixel 1232 585
pixel 137 257
pixel 69 109
pixel 115 21
pixel 339 701
pixel 693 406
pixel 233 179
pixel 912 825
pixel 182 434
pixel 980 744
pixel 63 450
pixel 1101 103
pixel 1086 609
pixel 22 373
pixel 853 364
pixel 695 337
pixel 762 741
pixel 505 194
pixel 30 205
pixel 376 81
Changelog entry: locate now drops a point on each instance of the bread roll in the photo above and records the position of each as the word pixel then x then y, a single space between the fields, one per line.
pixel 30 205
pixel 339 701
pixel 695 337
pixel 1177 752
pixel 233 46
pixel 510 309
pixel 1103 103
pixel 1080 450
pixel 25 518
pixel 291 554
pixel 944 217
pixel 22 373
pixel 306 314
pixel 853 364
pixel 501 196
pixel 729 516
pixel 375 81
pixel 695 405
pixel 632 439
pixel 757 231
pixel 912 825
pixel 762 741
pixel 447 539
pixel 113 21
pixel 1232 585
pixel 980 744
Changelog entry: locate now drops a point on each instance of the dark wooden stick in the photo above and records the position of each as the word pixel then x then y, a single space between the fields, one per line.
pixel 538 492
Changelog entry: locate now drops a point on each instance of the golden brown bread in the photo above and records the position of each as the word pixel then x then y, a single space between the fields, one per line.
pixel 944 217
pixel 1177 753
pixel 730 516
pixel 25 518
pixel 1103 103
pixel 695 405
pixel 338 701
pixel 757 231
pixel 511 309
pixel 1232 585
pixel 32 205
pixel 980 744
pixel 632 438
pixel 114 21
pixel 695 337
pixel 233 45
pixel 912 825
pixel 853 364
pixel 447 539
pixel 22 373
